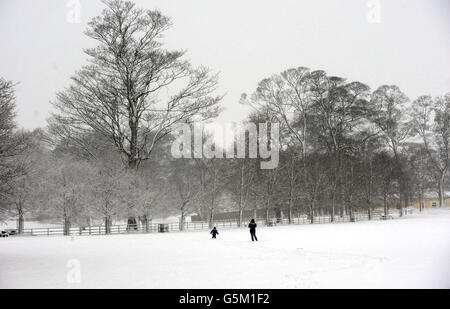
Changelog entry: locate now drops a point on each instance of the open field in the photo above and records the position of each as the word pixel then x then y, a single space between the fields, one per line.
pixel 411 252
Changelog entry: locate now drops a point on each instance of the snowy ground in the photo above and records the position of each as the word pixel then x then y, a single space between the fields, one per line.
pixel 412 252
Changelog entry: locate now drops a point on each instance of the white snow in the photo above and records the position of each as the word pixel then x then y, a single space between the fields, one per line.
pixel 411 252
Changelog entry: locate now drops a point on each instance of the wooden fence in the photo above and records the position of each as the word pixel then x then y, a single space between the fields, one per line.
pixel 189 226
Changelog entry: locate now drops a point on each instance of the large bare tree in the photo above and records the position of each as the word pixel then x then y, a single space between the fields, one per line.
pixel 435 135
pixel 288 96
pixel 340 113
pixel 133 91
pixel 13 143
pixel 388 103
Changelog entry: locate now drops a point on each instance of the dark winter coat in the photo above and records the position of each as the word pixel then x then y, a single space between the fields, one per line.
pixel 252 226
pixel 214 232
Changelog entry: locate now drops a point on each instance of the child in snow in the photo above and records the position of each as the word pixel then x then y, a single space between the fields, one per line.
pixel 252 227
pixel 214 232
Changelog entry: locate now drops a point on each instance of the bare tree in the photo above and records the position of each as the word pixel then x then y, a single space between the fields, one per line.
pixel 246 176
pixel 12 142
pixel 435 135
pixel 441 131
pixel 314 184
pixel 214 171
pixel 388 103
pixel 293 176
pixel 367 174
pixel 121 93
pixel 154 190
pixel 64 190
pixel 21 192
pixel 288 96
pixel 108 192
pixel 340 109
pixel 386 178
pixel 186 186
pixel 212 178
pixel 422 172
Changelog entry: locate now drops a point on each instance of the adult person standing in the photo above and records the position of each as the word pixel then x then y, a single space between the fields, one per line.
pixel 252 226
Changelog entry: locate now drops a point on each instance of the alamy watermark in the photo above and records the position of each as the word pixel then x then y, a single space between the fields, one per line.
pixel 235 141
pixel 374 13
pixel 74 272
pixel 73 16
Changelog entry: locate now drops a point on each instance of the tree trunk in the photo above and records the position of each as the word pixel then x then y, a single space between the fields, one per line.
pixel 241 196
pixel 133 125
pixel 267 209
pixel 420 201
pixel 311 212
pixel 213 199
pixel 290 219
pixel 108 223
pixel 211 219
pixel 146 223
pixel 182 218
pixel 20 223
pixel 342 200
pixel 291 190
pixel 291 201
pixel 400 205
pixel 441 191
pixel 67 225
pixel 240 217
pixel 132 224
pixel 386 208
pixel 333 208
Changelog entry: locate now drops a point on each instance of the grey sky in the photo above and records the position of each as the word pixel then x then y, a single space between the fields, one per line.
pixel 244 40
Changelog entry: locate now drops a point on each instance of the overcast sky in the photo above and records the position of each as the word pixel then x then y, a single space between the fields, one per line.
pixel 245 40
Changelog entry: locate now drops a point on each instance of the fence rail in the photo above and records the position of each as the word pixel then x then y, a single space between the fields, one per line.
pixel 189 226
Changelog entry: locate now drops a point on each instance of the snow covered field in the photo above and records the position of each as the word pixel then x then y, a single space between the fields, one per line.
pixel 412 252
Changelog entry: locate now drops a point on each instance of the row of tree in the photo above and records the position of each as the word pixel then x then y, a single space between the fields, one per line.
pixel 370 145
